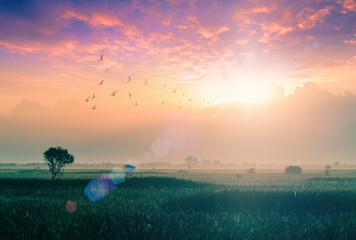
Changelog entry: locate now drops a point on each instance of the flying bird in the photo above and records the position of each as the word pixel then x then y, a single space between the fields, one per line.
pixel 162 102
pixel 93 96
pixel 130 95
pixel 101 82
pixel 174 91
pixel 94 107
pixel 136 104
pixel 113 94
pixel 101 58
pixel 190 100
pixel 129 80
pixel 87 100
pixel 145 82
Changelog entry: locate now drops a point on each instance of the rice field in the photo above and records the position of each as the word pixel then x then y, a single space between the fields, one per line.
pixel 175 204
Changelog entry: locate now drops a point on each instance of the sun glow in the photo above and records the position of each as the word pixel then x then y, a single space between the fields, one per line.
pixel 252 93
pixel 246 92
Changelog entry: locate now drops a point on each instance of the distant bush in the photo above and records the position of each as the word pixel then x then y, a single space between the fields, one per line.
pixel 238 175
pixel 327 169
pixel 251 170
pixel 293 170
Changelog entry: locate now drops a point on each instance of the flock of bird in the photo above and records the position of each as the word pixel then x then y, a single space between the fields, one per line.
pixel 101 83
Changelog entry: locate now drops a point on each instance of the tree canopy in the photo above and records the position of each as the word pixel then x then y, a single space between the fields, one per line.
pixel 56 158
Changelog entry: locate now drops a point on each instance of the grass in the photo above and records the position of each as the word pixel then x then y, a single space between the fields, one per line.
pixel 171 208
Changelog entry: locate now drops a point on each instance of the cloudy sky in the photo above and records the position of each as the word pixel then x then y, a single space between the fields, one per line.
pixel 257 81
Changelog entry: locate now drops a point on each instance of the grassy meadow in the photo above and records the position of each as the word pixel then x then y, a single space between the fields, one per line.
pixel 173 204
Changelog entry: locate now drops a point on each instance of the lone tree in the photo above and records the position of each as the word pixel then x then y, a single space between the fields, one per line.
pixel 293 170
pixel 56 158
pixel 191 161
pixel 251 170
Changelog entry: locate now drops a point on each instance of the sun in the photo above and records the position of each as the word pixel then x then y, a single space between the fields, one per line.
pixel 242 91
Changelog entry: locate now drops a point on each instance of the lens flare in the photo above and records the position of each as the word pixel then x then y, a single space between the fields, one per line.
pixel 96 190
pixel 71 206
pixel 117 175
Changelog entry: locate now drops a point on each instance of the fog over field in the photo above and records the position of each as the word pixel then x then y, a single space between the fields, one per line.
pixel 309 126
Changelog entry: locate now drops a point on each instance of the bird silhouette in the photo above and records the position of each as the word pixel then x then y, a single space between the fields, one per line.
pixel 174 91
pixel 130 95
pixel 136 104
pixel 87 100
pixel 145 82
pixel 101 82
pixel 94 107
pixel 114 93
pixel 129 80
pixel 93 96
pixel 101 58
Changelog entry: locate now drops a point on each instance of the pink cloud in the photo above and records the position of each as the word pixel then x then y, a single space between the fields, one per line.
pixel 107 20
pixel 244 16
pixel 13 47
pixel 26 47
pixel 71 14
pixel 309 17
pixel 348 5
pixel 98 19
pixel 274 29
pixel 212 32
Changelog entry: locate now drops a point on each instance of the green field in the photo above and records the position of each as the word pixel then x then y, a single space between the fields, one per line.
pixel 173 204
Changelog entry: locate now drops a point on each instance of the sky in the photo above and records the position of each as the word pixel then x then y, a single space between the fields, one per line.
pixel 233 81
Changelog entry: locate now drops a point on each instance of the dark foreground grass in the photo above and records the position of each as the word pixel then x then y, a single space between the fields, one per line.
pixel 169 208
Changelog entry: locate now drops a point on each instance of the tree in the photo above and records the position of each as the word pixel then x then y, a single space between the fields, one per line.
pixel 250 170
pixel 327 168
pixel 191 161
pixel 56 158
pixel 293 170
